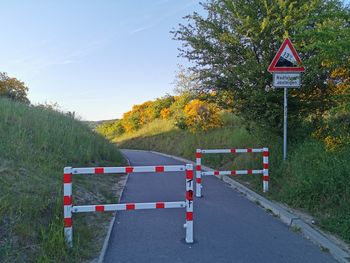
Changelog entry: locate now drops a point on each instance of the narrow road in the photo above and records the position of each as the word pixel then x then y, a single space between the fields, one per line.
pixel 227 227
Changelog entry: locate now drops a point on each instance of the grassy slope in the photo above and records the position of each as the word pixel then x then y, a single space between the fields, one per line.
pixel 94 124
pixel 313 180
pixel 35 145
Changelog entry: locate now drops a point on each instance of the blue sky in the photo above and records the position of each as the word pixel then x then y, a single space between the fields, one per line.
pixel 97 58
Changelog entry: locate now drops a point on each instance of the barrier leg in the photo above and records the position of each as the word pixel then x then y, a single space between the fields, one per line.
pixel 198 173
pixel 189 203
pixel 266 170
pixel 67 205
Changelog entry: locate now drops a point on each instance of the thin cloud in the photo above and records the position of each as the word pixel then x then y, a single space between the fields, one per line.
pixel 143 28
pixel 163 17
pixel 49 54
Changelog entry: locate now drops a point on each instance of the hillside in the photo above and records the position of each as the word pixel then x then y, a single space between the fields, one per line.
pixel 94 124
pixel 35 145
pixel 313 180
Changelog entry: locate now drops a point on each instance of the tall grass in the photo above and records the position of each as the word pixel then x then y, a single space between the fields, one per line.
pixel 319 181
pixel 156 127
pixel 35 145
pixel 312 179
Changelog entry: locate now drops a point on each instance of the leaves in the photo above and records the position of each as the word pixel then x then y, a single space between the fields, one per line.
pixel 233 44
pixel 13 89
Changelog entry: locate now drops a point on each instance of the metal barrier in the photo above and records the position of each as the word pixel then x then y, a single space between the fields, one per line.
pixel 69 208
pixel 264 171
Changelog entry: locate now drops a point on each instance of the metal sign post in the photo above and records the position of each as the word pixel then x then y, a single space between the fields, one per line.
pixel 286 67
pixel 285 123
pixel 286 80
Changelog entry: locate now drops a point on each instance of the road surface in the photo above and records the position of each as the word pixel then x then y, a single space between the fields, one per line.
pixel 227 227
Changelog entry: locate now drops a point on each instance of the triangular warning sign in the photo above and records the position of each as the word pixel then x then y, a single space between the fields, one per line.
pixel 286 59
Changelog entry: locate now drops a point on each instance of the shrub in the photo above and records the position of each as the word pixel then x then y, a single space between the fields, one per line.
pixel 201 115
pixel 165 113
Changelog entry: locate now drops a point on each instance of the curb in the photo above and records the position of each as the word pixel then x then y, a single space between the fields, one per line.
pixel 111 224
pixel 315 235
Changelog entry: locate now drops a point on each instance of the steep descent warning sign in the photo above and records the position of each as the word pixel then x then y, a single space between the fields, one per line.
pixel 286 59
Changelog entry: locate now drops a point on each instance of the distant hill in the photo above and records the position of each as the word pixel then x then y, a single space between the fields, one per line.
pixel 94 124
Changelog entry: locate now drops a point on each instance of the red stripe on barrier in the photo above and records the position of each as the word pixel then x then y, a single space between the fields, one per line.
pixel 216 172
pixel 67 178
pixel 266 178
pixel 160 205
pixel 67 222
pixel 99 170
pixel 199 180
pixel 249 150
pixel 198 167
pixel 189 216
pixel 266 154
pixel 159 169
pixel 189 195
pixel 130 206
pixel 249 171
pixel 189 174
pixel 129 169
pixel 99 208
pixel 233 172
pixel 67 200
pixel 233 150
pixel 198 155
pixel 266 166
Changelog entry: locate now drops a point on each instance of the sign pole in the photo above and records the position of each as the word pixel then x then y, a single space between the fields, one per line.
pixel 286 67
pixel 285 124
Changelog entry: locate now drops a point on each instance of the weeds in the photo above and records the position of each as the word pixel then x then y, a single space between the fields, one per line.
pixel 35 145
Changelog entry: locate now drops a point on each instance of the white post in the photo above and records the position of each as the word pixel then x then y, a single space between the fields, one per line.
pixel 189 203
pixel 198 173
pixel 67 205
pixel 266 170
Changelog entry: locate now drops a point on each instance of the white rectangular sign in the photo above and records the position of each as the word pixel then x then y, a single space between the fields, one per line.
pixel 286 80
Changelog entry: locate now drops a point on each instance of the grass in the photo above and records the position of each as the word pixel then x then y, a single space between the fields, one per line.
pixel 154 128
pixel 35 145
pixel 312 180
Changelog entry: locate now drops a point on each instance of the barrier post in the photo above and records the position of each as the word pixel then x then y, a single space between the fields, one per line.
pixel 198 173
pixel 266 170
pixel 189 203
pixel 67 205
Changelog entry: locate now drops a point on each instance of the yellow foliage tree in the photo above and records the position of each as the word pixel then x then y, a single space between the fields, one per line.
pixel 201 115
pixel 165 113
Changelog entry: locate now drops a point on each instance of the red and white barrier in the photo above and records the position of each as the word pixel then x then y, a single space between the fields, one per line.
pixel 264 171
pixel 69 208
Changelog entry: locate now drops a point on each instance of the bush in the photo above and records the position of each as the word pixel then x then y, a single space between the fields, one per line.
pixel 200 115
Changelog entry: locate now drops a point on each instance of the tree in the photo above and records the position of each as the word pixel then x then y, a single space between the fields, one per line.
pixel 233 45
pixel 186 81
pixel 13 89
pixel 334 128
pixel 111 129
pixel 161 103
pixel 200 115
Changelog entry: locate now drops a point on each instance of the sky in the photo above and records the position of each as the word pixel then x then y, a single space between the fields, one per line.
pixel 97 58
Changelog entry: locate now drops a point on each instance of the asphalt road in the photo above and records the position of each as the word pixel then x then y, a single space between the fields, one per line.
pixel 227 227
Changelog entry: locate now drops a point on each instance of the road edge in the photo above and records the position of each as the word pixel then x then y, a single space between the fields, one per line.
pixel 111 224
pixel 287 217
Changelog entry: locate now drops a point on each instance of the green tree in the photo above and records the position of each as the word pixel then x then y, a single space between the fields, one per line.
pixel 111 129
pixel 234 43
pixel 13 89
pixel 161 103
